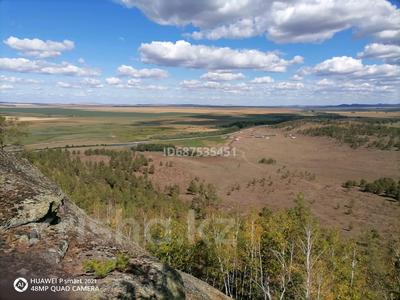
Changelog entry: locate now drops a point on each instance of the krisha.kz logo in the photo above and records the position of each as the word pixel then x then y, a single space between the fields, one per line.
pixel 20 284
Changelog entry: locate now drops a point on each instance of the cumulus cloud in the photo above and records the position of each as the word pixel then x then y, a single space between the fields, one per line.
pixel 344 73
pixel 264 79
pixel 339 65
pixel 12 79
pixel 184 54
pixel 281 21
pixel 213 85
pixel 349 67
pixel 244 88
pixel 326 85
pixel 24 65
pixel 133 83
pixel 387 53
pixel 125 70
pixel 39 48
pixel 287 85
pixel 222 76
pixel 325 82
pixel 85 83
pixel 92 82
pixel 113 80
pixel 297 77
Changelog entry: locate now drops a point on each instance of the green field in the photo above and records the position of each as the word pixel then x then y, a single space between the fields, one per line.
pixel 59 127
pixel 79 126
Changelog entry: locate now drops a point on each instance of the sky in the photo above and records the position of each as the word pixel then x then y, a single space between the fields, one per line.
pixel 207 52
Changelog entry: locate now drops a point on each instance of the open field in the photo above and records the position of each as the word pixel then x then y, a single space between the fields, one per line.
pixel 315 167
pixel 57 126
pixel 368 114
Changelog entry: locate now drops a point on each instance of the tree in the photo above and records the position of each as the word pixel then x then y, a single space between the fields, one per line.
pixel 193 188
pixel 10 131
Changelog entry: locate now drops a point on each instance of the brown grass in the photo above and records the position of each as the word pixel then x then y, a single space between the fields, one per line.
pixel 298 161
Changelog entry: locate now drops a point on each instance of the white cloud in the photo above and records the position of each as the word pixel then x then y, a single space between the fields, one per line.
pixel 348 67
pixel 387 53
pixel 284 85
pixel 347 74
pixel 141 73
pixel 297 77
pixel 66 85
pixel 24 65
pixel 13 79
pixel 184 54
pixel 325 82
pixel 93 83
pixel 81 60
pixel 264 79
pixel 85 83
pixel 222 76
pixel 39 48
pixel 133 82
pixel 113 80
pixel 352 87
pixel 339 65
pixel 213 85
pixel 281 21
pixel 6 86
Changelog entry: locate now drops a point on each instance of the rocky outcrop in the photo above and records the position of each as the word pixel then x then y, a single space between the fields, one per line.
pixel 44 235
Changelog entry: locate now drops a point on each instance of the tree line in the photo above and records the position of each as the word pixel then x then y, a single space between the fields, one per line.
pixel 384 186
pixel 356 134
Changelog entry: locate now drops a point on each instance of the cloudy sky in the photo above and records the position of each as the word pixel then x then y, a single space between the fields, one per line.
pixel 225 52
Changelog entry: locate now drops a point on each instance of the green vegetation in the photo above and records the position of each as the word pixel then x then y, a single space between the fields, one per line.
pixel 119 182
pixel 269 161
pixel 76 112
pixel 381 134
pixel 102 267
pixel 11 131
pixel 269 119
pixel 384 186
pixel 152 147
pixel 284 254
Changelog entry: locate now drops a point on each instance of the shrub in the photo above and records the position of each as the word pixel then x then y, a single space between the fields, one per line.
pixel 269 161
pixel 102 267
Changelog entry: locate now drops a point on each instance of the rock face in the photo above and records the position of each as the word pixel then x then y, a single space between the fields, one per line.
pixel 43 235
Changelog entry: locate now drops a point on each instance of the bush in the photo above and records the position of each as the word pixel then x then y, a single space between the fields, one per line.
pixel 269 161
pixel 102 267
pixel 152 147
pixel 349 184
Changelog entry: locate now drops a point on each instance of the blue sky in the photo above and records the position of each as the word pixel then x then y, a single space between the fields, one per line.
pixel 229 52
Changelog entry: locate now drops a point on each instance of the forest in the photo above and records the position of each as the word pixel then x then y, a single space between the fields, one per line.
pixel 380 134
pixel 284 254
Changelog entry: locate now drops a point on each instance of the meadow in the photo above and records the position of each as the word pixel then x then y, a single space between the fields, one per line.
pixel 50 127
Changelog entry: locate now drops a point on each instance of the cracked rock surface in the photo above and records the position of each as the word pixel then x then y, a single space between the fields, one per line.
pixel 43 234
